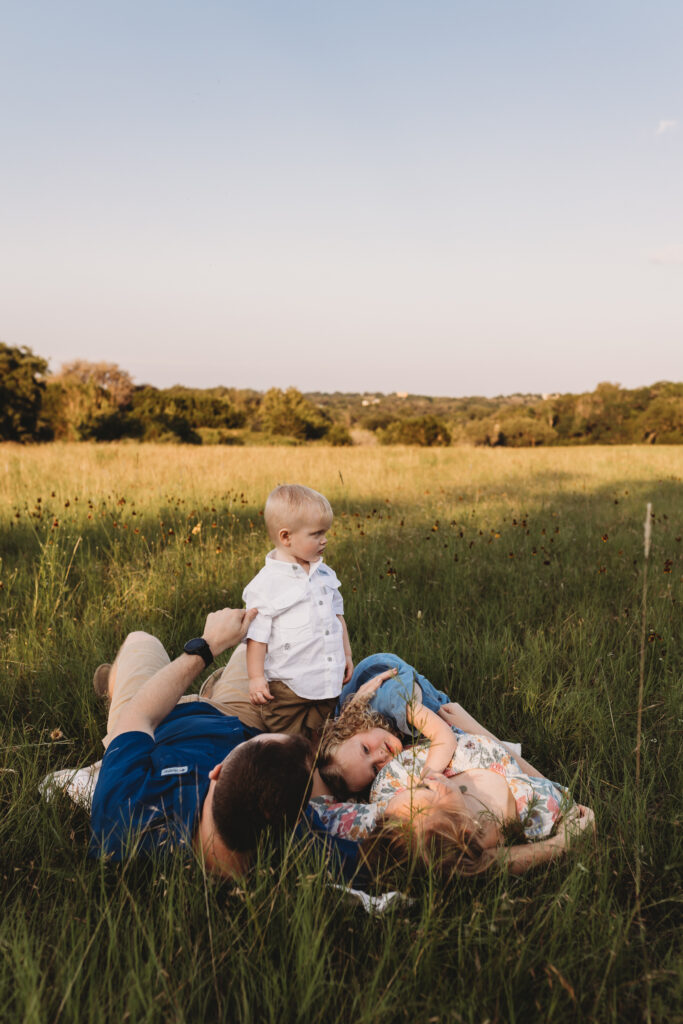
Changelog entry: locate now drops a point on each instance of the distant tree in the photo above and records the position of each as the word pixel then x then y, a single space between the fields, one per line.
pixel 521 431
pixel 338 435
pixel 22 386
pixel 662 422
pixel 288 413
pixel 117 384
pixel 87 400
pixel 425 431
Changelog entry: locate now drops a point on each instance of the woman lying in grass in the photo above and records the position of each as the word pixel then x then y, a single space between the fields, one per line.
pixel 488 806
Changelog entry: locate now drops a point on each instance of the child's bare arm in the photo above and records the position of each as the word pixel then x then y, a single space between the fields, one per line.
pixel 348 670
pixel 372 685
pixel 442 739
pixel 456 715
pixel 259 691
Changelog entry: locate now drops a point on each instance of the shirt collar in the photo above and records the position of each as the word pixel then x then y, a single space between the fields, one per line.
pixel 291 569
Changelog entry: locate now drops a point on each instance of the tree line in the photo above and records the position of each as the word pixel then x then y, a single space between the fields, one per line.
pixel 88 401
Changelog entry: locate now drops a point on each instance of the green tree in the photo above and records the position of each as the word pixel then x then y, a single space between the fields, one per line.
pixel 662 422
pixel 425 431
pixel 22 385
pixel 288 413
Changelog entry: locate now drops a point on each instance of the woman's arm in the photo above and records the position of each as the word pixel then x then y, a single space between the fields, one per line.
pixel 518 859
pixel 456 715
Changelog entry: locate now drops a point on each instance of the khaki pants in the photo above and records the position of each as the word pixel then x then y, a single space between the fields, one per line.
pixel 228 689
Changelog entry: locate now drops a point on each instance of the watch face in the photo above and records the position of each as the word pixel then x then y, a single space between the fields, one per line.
pixel 199 646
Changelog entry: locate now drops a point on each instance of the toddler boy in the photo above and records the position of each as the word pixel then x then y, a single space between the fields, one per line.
pixel 298 650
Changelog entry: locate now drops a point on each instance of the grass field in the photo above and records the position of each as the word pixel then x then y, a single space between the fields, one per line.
pixel 512 579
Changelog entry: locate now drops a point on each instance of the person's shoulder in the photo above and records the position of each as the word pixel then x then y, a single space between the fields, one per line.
pixel 266 581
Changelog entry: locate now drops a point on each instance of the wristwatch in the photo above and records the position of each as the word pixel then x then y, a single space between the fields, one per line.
pixel 199 646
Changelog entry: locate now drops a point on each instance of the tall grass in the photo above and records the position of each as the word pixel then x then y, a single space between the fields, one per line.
pixel 511 579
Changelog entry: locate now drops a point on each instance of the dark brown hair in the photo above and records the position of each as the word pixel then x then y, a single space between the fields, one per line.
pixel 261 786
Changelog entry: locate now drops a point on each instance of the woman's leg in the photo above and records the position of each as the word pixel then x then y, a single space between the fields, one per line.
pixel 456 715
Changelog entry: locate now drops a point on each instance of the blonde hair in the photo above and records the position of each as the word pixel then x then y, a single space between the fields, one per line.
pixel 288 504
pixel 356 716
pixel 448 843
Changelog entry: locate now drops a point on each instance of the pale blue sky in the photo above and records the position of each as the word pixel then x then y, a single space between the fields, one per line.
pixel 437 197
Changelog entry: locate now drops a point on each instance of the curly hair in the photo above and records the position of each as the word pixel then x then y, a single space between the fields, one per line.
pixel 356 716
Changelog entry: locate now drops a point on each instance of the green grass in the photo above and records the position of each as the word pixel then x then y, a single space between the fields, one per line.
pixel 511 579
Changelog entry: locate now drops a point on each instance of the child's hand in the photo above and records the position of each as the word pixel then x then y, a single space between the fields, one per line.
pixel 348 669
pixel 259 691
pixel 372 685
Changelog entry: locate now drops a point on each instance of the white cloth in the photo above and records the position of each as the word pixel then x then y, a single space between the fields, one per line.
pixel 298 620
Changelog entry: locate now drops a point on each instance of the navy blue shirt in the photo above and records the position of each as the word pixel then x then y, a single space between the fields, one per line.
pixel 396 693
pixel 151 790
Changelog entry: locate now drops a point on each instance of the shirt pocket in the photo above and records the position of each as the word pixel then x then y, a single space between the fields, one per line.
pixel 292 612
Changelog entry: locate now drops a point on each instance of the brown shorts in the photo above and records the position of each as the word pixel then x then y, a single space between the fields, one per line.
pixel 228 690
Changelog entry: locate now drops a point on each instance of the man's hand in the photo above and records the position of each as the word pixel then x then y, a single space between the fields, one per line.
pixel 227 628
pixel 259 691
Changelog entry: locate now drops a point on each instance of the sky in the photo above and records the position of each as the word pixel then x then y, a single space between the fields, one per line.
pixel 433 196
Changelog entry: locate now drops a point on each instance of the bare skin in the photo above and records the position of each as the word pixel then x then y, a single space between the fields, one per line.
pixel 485 797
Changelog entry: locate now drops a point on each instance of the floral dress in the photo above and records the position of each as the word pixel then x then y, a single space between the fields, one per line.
pixel 540 803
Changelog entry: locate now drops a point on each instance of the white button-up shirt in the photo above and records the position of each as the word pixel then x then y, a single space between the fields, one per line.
pixel 298 620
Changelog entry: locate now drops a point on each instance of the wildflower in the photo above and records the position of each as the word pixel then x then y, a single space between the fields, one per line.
pixel 56 734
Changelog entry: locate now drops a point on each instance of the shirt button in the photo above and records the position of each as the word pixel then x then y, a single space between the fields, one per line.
pixel 327 632
pixel 329 658
pixel 319 602
pixel 287 646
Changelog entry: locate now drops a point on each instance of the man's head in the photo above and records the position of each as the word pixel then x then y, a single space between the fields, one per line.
pixel 297 519
pixel 264 783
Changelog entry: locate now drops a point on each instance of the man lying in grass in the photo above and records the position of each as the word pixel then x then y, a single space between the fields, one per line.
pixel 187 775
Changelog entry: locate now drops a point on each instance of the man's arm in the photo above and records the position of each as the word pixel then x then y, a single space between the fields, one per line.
pixel 160 694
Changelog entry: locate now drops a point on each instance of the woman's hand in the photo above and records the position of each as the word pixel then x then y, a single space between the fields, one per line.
pixel 578 821
pixel 373 685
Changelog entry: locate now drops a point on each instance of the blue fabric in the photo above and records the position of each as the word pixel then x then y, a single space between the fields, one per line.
pixel 151 789
pixel 341 854
pixel 396 693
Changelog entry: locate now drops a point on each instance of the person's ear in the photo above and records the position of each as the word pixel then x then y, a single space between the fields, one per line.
pixel 215 772
pixel 284 537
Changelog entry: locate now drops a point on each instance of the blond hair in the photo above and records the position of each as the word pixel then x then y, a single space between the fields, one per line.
pixel 356 716
pixel 448 843
pixel 287 505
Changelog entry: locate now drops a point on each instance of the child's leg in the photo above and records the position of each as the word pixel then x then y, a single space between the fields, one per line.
pixel 140 657
pixel 228 690
pixel 288 712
